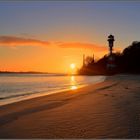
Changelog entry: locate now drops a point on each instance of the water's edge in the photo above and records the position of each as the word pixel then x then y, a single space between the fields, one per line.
pixel 18 98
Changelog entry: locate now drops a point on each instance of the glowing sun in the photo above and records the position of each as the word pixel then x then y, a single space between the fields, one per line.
pixel 72 66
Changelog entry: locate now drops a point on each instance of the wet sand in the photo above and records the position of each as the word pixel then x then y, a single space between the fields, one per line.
pixel 110 109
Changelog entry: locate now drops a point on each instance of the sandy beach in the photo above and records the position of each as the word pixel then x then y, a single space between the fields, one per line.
pixel 110 109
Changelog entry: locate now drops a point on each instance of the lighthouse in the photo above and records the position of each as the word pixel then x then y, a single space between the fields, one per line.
pixel 111 58
pixel 111 43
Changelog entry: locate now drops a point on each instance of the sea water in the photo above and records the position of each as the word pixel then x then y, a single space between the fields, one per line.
pixel 17 87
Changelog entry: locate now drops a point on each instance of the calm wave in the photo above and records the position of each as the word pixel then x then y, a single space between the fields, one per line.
pixel 16 87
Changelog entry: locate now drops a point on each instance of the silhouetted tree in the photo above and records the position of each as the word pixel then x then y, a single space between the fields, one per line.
pixel 131 58
pixel 127 62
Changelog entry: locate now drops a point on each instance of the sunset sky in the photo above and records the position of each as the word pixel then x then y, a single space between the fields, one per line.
pixel 49 36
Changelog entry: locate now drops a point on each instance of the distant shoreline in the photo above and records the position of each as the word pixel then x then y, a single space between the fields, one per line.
pixel 28 72
pixel 63 74
pixel 22 72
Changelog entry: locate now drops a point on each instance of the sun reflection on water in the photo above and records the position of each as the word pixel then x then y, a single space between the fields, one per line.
pixel 73 83
pixel 73 87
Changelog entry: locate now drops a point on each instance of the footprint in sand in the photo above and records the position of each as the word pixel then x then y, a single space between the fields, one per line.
pixel 105 94
pixel 137 96
pixel 108 95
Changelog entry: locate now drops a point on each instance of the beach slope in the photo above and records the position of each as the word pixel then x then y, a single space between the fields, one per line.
pixel 109 109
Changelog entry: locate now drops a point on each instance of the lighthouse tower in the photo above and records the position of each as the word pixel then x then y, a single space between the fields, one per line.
pixel 111 43
pixel 111 58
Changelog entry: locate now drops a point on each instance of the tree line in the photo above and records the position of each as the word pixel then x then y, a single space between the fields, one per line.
pixel 128 61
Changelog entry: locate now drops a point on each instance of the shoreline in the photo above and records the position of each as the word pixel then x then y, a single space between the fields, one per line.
pixel 105 110
pixel 57 93
pixel 41 94
pixel 32 96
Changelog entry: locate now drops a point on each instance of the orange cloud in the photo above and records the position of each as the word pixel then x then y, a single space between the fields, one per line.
pixel 95 47
pixel 12 41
